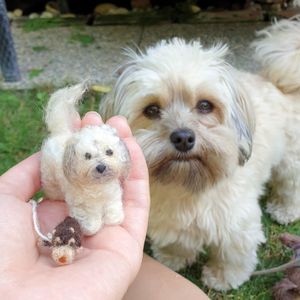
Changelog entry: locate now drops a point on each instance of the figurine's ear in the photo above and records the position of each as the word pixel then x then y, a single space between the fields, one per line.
pixel 69 161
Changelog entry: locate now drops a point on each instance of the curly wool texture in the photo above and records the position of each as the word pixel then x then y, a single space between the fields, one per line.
pixel 84 167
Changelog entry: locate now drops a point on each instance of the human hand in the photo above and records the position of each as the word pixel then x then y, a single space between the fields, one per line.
pixel 111 258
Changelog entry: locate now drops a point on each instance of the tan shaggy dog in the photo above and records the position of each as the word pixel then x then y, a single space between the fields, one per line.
pixel 212 137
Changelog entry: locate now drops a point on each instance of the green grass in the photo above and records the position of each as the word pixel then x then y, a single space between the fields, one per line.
pixel 21 123
pixel 84 39
pixel 21 133
pixel 39 48
pixel 38 24
pixel 34 73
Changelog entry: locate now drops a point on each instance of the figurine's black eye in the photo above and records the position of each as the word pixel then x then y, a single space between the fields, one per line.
pixel 109 152
pixel 204 106
pixel 152 111
pixel 88 155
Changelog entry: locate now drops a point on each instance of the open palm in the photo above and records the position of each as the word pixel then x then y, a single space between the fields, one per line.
pixel 110 260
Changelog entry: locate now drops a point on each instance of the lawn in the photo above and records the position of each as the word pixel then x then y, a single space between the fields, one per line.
pixel 21 134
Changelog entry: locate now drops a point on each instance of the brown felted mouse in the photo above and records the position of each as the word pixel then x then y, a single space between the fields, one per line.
pixel 65 241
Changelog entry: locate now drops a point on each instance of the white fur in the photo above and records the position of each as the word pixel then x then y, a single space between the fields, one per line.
pixel 69 161
pixel 278 50
pixel 296 3
pixel 252 120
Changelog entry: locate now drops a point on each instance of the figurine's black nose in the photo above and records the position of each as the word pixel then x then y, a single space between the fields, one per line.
pixel 183 139
pixel 101 168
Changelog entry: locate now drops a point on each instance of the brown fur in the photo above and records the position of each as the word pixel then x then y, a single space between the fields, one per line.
pixel 67 232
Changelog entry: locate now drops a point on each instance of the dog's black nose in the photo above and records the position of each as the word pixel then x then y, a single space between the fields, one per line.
pixel 183 139
pixel 101 168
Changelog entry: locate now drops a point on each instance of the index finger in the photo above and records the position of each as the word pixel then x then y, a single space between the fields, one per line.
pixel 136 187
pixel 22 180
pixel 120 123
pixel 136 194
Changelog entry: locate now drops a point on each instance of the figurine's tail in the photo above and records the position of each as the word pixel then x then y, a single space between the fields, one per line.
pixel 61 109
pixel 278 50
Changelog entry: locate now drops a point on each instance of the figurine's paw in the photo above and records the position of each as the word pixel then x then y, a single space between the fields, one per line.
pixel 114 217
pixel 223 279
pixel 90 227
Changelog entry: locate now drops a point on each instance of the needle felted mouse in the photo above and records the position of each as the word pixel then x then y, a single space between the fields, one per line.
pixel 65 241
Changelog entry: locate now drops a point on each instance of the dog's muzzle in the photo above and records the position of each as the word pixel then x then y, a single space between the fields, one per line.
pixel 183 139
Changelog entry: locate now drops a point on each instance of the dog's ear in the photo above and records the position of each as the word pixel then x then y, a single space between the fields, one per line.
pixel 106 107
pixel 112 104
pixel 241 116
pixel 241 111
pixel 69 162
pixel 243 120
pixel 121 69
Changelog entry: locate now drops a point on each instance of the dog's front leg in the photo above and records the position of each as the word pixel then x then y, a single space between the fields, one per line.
pixel 284 206
pixel 233 260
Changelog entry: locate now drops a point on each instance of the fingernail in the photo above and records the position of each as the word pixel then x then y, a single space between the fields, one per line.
pixel 122 117
pixel 92 113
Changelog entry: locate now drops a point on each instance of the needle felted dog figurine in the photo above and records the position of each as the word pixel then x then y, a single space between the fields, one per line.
pixel 85 167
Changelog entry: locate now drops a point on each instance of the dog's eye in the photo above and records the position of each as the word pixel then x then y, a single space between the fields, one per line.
pixel 204 106
pixel 109 152
pixel 88 155
pixel 152 111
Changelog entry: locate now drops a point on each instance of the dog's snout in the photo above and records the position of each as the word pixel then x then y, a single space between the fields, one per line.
pixel 183 139
pixel 100 168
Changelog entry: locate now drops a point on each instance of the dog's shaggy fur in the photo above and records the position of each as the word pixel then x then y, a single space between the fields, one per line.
pixel 212 137
pixel 84 167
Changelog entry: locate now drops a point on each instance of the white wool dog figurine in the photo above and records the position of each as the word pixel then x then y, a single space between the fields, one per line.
pixel 212 137
pixel 84 167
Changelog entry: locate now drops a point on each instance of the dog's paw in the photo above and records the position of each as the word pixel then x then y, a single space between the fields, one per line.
pixel 283 213
pixel 222 279
pixel 173 262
